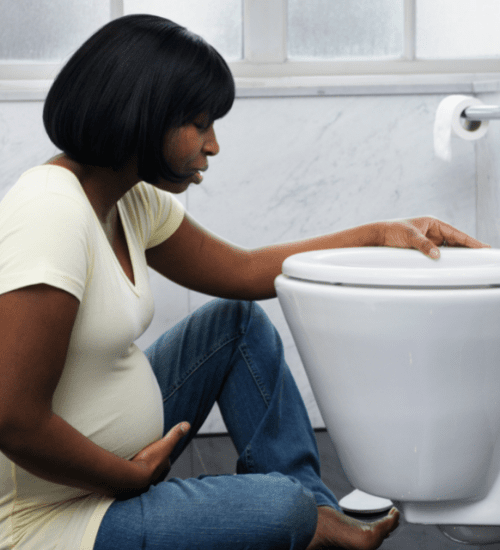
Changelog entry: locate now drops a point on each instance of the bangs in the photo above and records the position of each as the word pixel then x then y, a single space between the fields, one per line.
pixel 214 92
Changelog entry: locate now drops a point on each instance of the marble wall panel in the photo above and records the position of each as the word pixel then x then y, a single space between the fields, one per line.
pixel 23 141
pixel 488 177
pixel 303 166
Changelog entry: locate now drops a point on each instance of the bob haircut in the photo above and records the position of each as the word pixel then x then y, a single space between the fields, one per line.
pixel 127 85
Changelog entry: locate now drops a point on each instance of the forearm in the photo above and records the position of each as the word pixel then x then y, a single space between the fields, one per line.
pixel 266 262
pixel 56 452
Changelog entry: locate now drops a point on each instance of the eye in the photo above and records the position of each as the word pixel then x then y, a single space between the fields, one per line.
pixel 201 127
pixel 202 122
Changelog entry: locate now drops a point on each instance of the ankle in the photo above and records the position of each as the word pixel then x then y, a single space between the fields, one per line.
pixel 321 534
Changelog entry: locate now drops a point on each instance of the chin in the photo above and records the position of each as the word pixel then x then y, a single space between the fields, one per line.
pixel 174 188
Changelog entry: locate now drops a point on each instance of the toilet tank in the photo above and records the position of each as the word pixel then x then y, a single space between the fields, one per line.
pixel 403 357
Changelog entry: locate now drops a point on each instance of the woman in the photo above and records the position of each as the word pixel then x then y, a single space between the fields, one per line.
pixel 83 412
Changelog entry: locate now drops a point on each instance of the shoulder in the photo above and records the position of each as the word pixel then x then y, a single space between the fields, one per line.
pixel 48 193
pixel 154 212
pixel 47 234
pixel 46 206
pixel 148 196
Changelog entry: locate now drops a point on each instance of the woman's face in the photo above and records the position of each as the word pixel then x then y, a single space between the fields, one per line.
pixel 186 150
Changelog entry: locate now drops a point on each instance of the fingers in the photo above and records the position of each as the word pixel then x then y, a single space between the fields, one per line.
pixel 440 233
pixel 412 234
pixel 153 462
pixel 182 428
pixel 175 434
pixel 164 446
pixel 454 237
pixel 421 242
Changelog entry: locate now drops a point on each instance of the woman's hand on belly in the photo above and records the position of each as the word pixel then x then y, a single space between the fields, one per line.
pixel 154 460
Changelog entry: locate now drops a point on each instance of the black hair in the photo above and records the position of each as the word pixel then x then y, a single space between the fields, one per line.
pixel 127 85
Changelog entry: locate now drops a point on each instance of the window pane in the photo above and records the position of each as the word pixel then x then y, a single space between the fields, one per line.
pixel 345 29
pixel 48 30
pixel 458 29
pixel 219 22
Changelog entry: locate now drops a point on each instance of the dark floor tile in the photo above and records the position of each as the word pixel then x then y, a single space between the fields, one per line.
pixel 183 466
pixel 214 455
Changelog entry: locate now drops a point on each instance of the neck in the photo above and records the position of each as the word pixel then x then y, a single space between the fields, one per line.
pixel 104 187
pixel 110 224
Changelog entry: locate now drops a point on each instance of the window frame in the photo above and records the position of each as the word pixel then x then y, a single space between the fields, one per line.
pixel 265 69
pixel 265 58
pixel 39 71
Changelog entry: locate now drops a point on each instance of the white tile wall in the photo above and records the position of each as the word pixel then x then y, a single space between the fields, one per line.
pixel 295 167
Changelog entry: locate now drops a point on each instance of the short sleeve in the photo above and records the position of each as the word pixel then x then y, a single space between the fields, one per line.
pixel 155 214
pixel 44 238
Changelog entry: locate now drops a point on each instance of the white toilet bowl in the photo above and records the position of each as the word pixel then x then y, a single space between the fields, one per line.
pixel 403 356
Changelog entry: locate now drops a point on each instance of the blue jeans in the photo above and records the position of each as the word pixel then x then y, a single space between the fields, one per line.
pixel 229 352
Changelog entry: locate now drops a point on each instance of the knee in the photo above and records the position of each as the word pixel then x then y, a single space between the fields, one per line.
pixel 247 319
pixel 239 312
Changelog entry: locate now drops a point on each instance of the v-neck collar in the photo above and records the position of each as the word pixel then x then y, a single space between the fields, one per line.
pixel 134 287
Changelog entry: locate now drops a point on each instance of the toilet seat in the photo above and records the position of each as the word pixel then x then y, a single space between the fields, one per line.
pixel 392 267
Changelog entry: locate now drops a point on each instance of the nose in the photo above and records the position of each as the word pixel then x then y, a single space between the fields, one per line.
pixel 211 145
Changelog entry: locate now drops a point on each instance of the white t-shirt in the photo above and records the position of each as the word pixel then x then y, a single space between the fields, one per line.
pixel 49 233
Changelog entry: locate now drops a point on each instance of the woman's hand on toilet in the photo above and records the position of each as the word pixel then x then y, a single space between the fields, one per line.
pixel 425 234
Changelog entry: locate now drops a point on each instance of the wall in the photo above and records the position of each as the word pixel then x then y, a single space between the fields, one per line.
pixel 296 167
pixel 488 174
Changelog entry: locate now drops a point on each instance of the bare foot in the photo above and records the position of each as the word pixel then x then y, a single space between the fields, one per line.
pixel 336 530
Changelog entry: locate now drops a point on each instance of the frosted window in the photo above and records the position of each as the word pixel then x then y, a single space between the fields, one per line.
pixel 48 30
pixel 458 28
pixel 219 22
pixel 345 29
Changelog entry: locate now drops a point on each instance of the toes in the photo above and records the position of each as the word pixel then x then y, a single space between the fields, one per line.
pixel 348 533
pixel 383 528
pixel 394 515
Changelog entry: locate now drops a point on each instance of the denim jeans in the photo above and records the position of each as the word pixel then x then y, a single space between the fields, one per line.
pixel 229 352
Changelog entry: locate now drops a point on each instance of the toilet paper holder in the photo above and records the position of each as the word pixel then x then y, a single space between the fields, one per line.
pixel 481 112
pixel 461 116
pixel 472 116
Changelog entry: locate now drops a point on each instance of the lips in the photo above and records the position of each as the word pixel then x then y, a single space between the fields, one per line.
pixel 197 177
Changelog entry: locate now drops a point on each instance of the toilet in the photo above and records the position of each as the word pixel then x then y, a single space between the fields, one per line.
pixel 403 356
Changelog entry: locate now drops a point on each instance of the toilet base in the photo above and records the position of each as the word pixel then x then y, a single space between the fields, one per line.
pixel 467 522
pixel 472 534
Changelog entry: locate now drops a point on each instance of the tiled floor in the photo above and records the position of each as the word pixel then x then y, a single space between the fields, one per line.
pixel 217 455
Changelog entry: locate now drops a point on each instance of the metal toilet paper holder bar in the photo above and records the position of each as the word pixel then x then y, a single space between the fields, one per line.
pixel 472 116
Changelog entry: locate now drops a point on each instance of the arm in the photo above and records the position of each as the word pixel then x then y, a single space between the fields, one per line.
pixel 36 324
pixel 197 259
